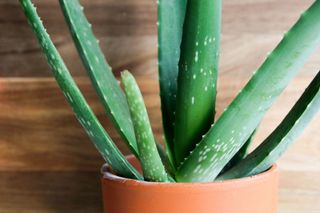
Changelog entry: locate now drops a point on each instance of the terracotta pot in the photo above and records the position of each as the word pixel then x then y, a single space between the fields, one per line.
pixel 256 194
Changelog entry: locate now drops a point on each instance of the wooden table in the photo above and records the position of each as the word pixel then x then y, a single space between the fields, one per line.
pixel 48 164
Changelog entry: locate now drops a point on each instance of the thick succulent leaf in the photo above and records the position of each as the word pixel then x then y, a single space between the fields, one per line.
pixel 240 155
pixel 246 111
pixel 198 68
pixel 100 72
pixel 284 135
pixel 170 21
pixel 84 114
pixel 165 160
pixel 153 169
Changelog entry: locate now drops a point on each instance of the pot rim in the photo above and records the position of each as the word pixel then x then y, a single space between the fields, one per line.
pixel 261 177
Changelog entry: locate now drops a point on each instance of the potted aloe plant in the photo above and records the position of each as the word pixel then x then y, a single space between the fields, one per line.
pixel 205 166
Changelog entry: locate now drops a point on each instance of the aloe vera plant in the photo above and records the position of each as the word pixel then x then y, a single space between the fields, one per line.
pixel 199 148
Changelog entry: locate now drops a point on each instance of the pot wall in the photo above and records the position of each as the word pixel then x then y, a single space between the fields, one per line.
pixel 257 194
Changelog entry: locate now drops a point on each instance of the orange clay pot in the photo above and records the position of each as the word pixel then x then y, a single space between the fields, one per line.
pixel 256 194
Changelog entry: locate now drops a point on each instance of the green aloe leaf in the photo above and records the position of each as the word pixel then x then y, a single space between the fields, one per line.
pixel 84 114
pixel 170 21
pixel 152 166
pixel 284 135
pixel 241 154
pixel 198 69
pixel 106 85
pixel 246 111
pixel 165 160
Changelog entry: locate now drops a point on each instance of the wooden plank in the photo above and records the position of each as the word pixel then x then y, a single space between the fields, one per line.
pixel 36 123
pixel 139 17
pixel 239 58
pixel 299 192
pixel 114 17
pixel 243 54
pixel 127 30
pixel 50 192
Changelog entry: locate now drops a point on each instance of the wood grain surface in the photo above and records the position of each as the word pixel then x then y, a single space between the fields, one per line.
pixel 45 155
pixel 47 163
pixel 127 31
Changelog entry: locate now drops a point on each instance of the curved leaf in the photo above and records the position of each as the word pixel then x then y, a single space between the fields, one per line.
pixel 284 135
pixel 170 22
pixel 84 114
pixel 152 166
pixel 198 69
pixel 106 85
